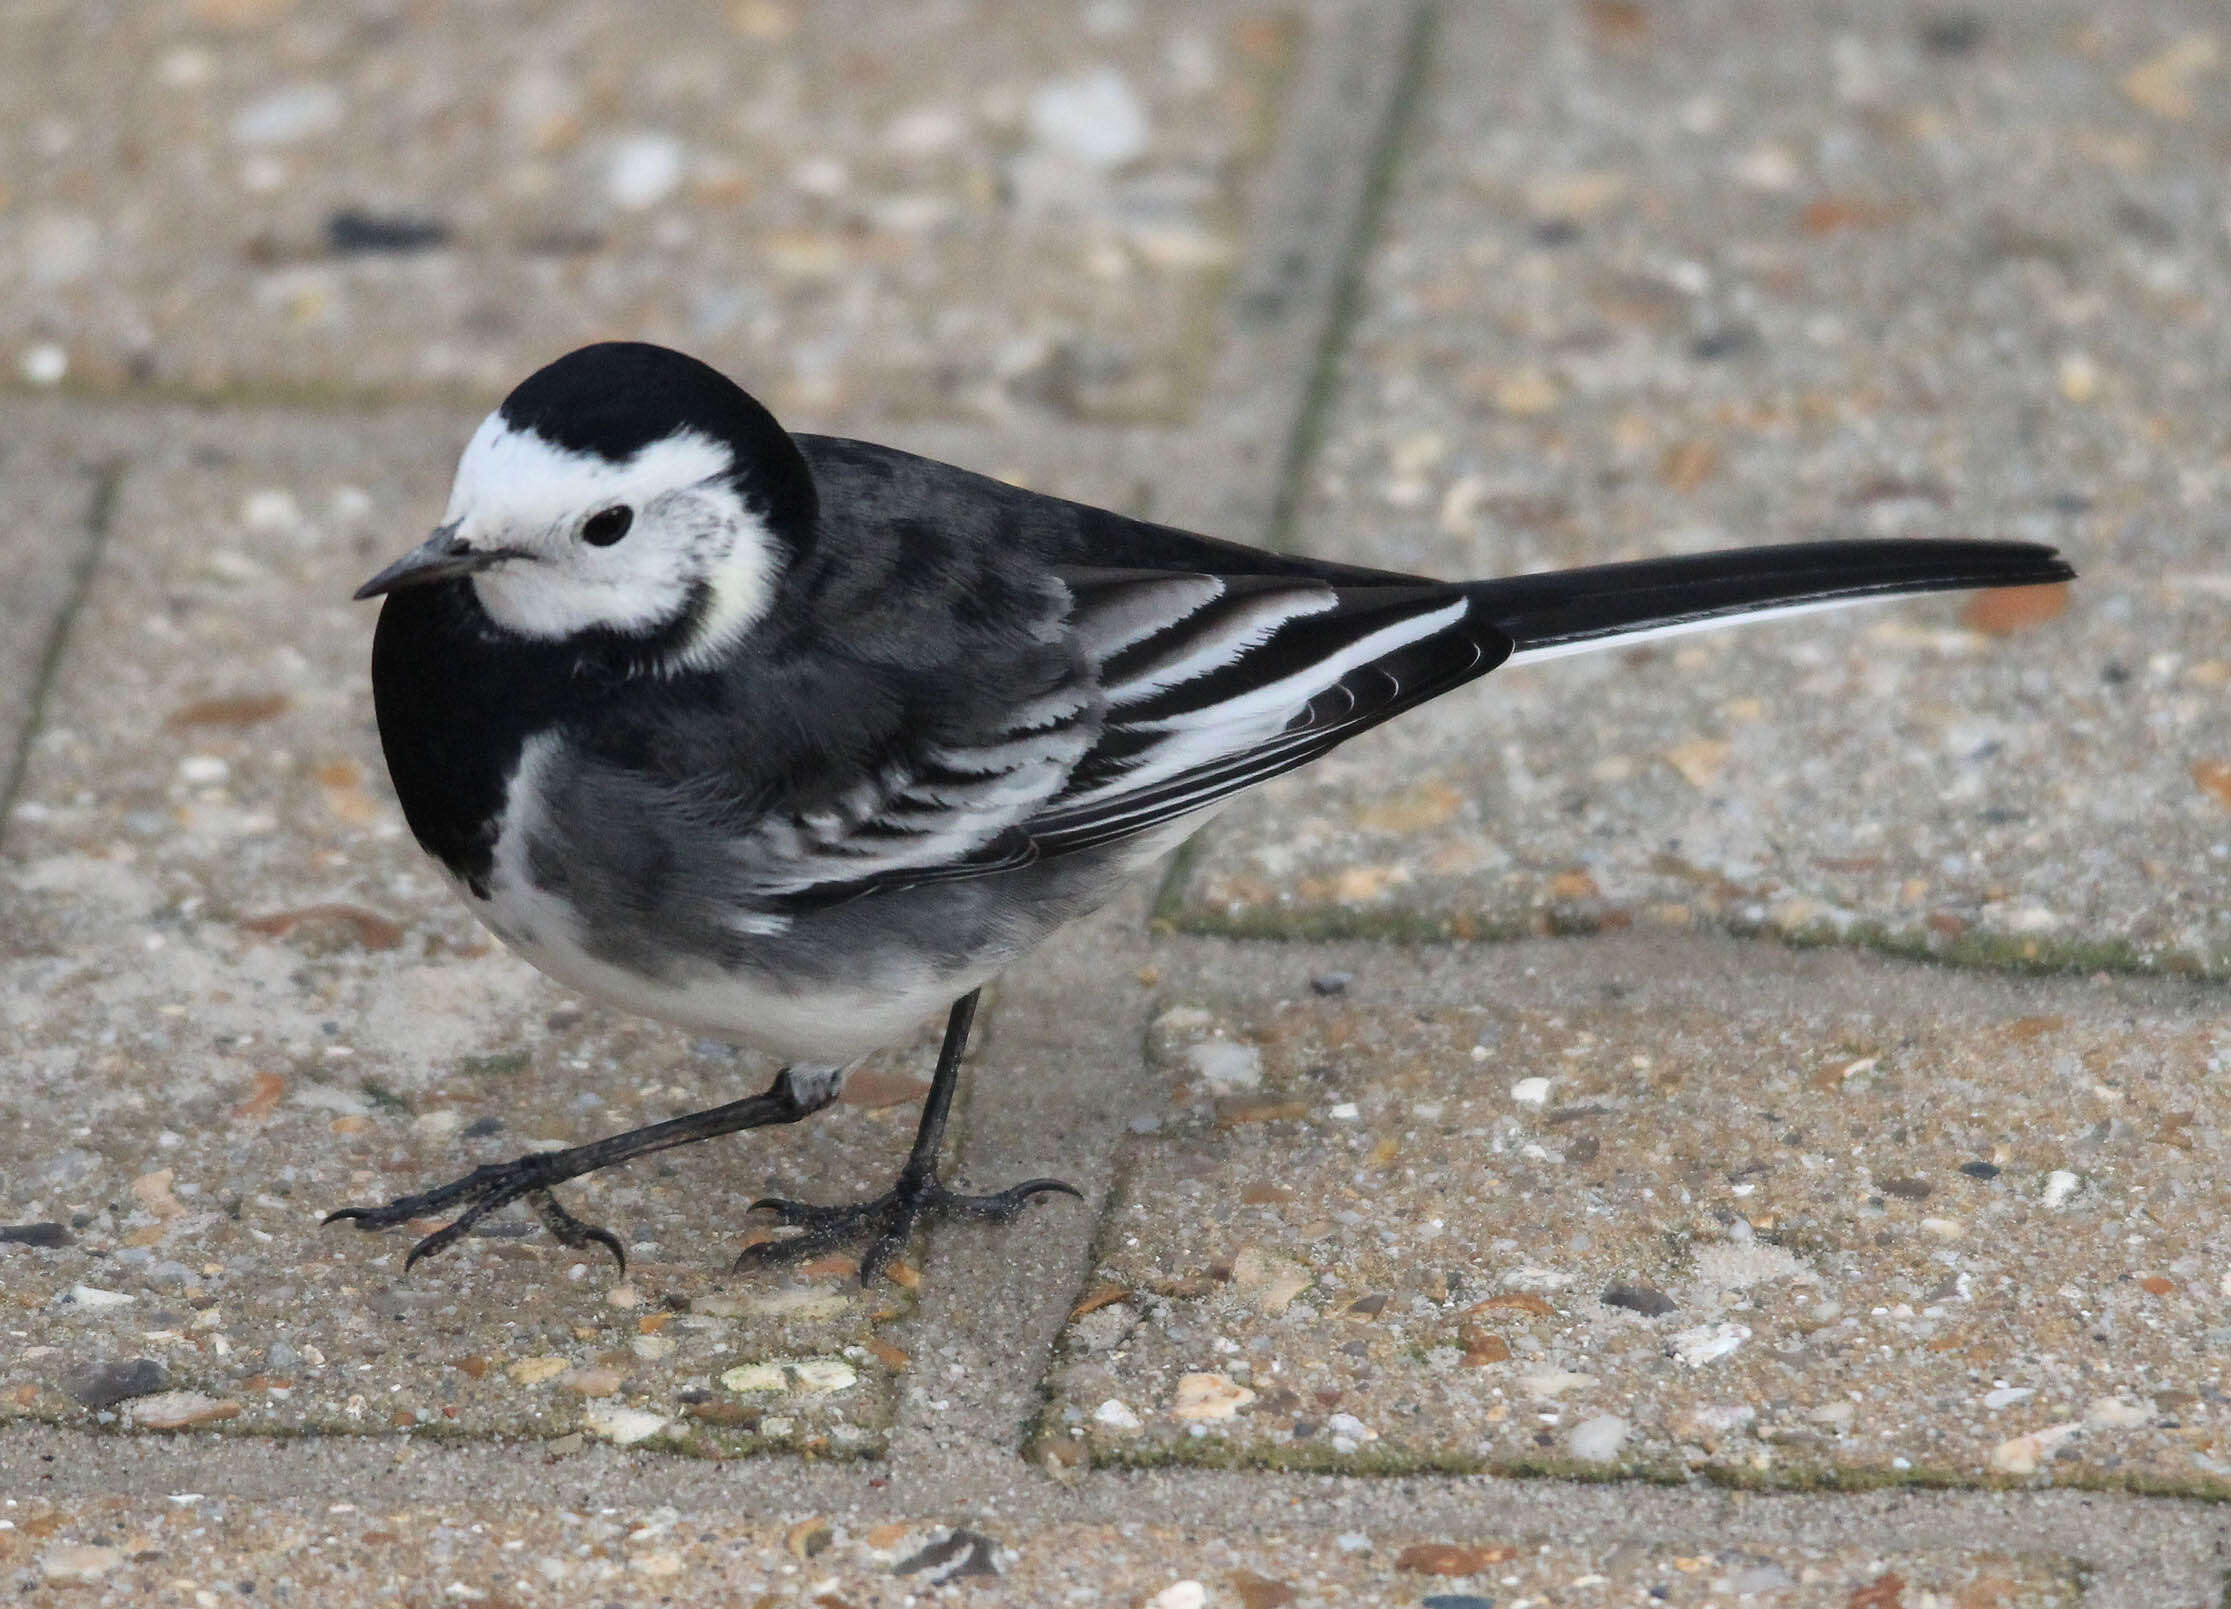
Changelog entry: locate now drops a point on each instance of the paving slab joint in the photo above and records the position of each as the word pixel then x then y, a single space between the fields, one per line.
pixel 108 479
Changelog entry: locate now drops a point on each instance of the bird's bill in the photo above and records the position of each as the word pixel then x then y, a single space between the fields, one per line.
pixel 439 557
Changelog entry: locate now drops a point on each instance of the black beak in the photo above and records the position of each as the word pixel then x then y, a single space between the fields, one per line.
pixel 439 557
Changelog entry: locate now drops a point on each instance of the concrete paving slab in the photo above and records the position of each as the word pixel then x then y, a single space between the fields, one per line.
pixel 958 209
pixel 51 496
pixel 1641 292
pixel 1806 1248
pixel 204 1547
pixel 236 996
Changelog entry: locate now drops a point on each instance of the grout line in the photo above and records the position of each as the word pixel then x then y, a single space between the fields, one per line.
pixel 1323 382
pixel 100 518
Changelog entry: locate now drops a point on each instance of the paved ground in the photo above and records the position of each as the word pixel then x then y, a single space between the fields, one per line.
pixel 1679 1235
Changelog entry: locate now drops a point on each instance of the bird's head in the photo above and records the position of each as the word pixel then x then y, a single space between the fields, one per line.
pixel 624 491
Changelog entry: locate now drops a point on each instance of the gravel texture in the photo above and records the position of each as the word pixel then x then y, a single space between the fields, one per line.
pixel 1641 293
pixel 198 1546
pixel 332 202
pixel 1801 1250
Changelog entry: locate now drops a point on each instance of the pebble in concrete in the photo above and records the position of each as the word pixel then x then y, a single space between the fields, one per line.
pixel 1777 1251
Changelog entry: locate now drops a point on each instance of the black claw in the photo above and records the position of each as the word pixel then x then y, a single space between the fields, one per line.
pixel 890 1218
pixel 568 1230
pixel 486 1188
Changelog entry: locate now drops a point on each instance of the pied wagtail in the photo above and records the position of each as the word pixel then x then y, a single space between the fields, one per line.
pixel 794 740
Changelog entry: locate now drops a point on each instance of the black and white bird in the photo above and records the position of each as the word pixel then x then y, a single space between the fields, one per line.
pixel 796 741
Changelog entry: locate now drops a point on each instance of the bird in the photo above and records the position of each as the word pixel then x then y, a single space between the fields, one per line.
pixel 798 741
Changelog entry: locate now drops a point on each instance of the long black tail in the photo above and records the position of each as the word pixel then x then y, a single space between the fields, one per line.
pixel 1565 611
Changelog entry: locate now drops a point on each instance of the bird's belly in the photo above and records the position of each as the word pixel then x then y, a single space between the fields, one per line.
pixel 817 1023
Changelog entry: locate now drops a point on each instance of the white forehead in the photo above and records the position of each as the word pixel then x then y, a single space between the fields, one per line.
pixel 531 483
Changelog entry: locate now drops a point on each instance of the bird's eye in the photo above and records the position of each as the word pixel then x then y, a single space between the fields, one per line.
pixel 607 526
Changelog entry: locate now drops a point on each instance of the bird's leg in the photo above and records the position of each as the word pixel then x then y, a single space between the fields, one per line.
pixel 918 1194
pixel 500 1183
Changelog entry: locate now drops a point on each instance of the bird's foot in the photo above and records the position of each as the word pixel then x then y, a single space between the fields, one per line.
pixel 890 1218
pixel 497 1184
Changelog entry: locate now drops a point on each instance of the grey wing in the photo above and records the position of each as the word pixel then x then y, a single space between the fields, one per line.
pixel 1184 689
pixel 950 807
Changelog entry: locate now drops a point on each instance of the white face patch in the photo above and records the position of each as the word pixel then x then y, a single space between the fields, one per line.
pixel 518 493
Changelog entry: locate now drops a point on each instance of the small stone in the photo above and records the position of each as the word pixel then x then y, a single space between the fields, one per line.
pixel 176 1410
pixel 1549 1384
pixel 1598 1440
pixel 2078 377
pixel 2163 83
pixel 1700 760
pixel 756 1377
pixel 2060 1184
pixel 808 1538
pixel 1643 1299
pixel 1347 1427
pixel 1202 1397
pixel 824 1376
pixel 1979 1170
pixel 104 1385
pixel 285 116
pixel 1482 1348
pixel 1180 1595
pixel 44 363
pixel 1331 983
pixel 1709 1342
pixel 77 1563
pixel 2007 1396
pixel 440 1124
pixel 2112 1413
pixel 93 1296
pixel 1268 1283
pixel 534 1371
pixel 623 1296
pixel 1525 393
pixel 48 1236
pixel 354 233
pixel 623 1427
pixel 1531 1092
pixel 1116 1416
pixel 642 169
pixel 592 1382
pixel 1226 1066
pixel 1095 118
pixel 1447 1558
pixel 2021 1455
pixel 663 1563
pixel 1260 1591
pixel 803 1302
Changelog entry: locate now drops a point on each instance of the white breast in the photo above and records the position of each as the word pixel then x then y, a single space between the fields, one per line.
pixel 820 1025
